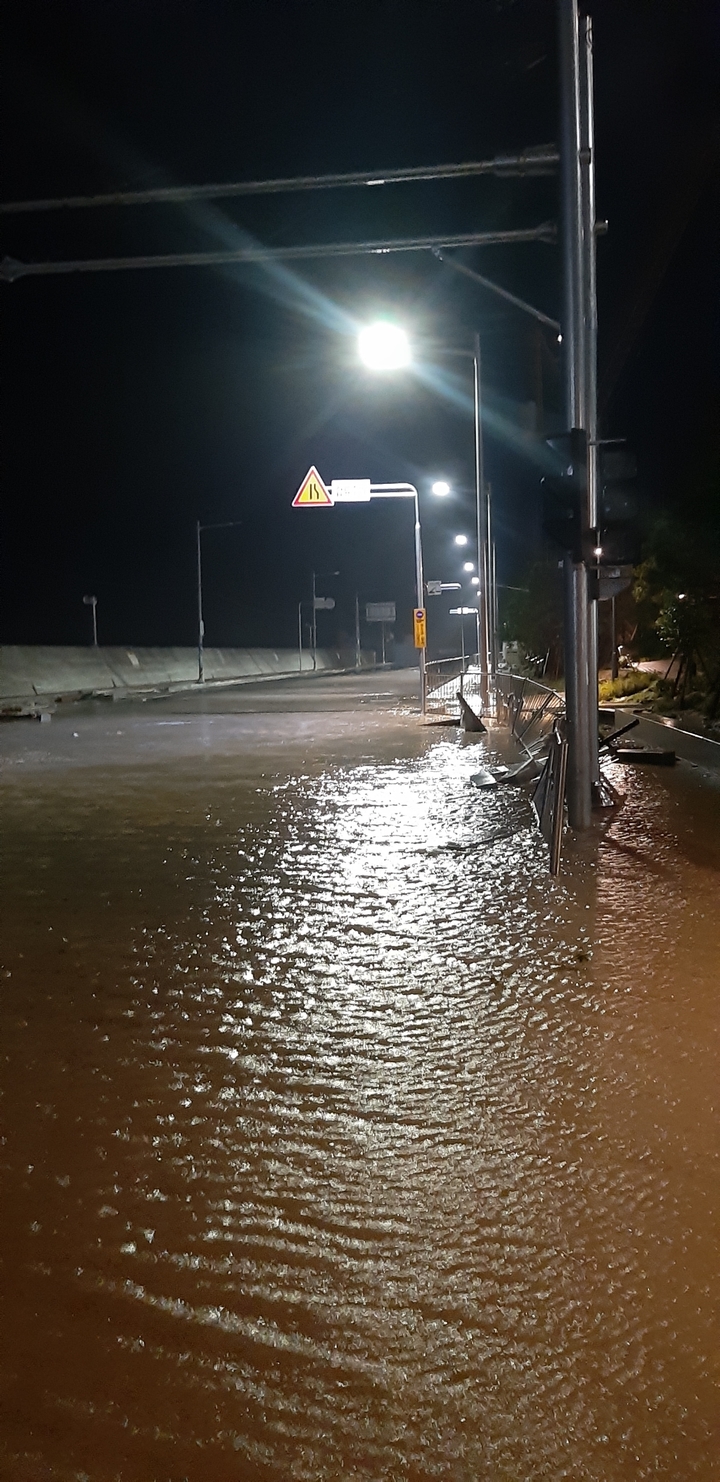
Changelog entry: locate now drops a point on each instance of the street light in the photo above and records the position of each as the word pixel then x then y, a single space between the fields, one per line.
pixel 468 565
pixel 461 540
pixel 92 602
pixel 222 525
pixel 384 346
pixel 440 487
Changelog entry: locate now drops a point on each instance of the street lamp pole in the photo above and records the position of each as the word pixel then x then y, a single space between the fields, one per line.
pixel 91 601
pixel 482 518
pixel 358 651
pixel 420 598
pixel 200 621
pixel 221 525
pixel 314 624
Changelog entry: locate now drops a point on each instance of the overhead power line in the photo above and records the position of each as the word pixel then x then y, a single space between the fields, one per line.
pixel 11 269
pixel 538 160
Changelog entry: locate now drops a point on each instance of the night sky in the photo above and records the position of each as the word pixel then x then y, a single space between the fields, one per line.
pixel 134 404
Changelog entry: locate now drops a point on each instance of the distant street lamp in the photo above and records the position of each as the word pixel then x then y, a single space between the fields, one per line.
pixel 468 565
pixel 440 487
pixel 92 602
pixel 461 540
pixel 222 525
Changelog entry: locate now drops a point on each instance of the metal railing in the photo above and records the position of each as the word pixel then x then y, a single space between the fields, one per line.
pixel 448 677
pixel 528 708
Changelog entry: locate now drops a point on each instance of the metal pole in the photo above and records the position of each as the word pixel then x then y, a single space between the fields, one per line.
pixel 579 772
pixel 576 682
pixel 201 625
pixel 300 651
pixel 494 592
pixel 462 646
pixel 489 548
pixel 358 651
pixel 613 642
pixel 94 613
pixel 590 422
pixel 420 600
pixel 314 626
pixel 481 530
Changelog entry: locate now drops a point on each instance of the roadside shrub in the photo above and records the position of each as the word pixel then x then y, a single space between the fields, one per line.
pixel 627 684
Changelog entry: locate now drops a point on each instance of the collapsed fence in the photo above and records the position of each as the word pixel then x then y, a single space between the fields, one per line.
pixel 534 714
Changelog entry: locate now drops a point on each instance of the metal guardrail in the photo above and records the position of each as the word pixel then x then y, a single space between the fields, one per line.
pixel 527 707
pixel 447 677
pixel 530 709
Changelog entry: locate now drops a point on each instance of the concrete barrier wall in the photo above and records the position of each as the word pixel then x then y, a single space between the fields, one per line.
pixel 50 671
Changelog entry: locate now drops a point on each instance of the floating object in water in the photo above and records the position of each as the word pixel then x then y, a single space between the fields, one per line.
pixel 483 779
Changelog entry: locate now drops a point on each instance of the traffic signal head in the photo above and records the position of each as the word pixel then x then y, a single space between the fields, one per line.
pixel 564 492
pixel 619 529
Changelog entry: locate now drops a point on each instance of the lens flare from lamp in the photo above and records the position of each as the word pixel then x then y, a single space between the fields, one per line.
pixel 384 346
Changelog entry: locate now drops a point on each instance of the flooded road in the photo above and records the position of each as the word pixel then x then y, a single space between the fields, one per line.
pixel 338 1141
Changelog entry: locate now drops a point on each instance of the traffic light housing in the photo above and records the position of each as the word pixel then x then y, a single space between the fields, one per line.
pixel 564 492
pixel 619 534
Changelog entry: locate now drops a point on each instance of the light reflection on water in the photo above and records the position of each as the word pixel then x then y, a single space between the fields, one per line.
pixel 341 1142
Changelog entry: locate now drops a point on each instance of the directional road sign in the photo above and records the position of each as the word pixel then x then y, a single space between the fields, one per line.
pixel 380 612
pixel 312 493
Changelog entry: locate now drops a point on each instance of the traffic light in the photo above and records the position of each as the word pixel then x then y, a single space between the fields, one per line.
pixel 564 492
pixel 619 535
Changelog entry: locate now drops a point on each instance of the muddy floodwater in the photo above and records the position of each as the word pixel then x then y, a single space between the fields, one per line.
pixel 338 1141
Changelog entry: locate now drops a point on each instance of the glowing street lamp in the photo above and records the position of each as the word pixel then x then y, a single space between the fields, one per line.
pixel 384 346
pixel 461 540
pixel 468 565
pixel 440 487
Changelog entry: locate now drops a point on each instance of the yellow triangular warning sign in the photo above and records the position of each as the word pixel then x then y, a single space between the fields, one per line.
pixel 312 491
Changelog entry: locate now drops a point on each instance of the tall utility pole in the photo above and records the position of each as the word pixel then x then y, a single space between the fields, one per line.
pixel 482 520
pixel 577 174
pixel 587 165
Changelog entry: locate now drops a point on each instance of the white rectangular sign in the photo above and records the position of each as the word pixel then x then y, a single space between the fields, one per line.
pixel 350 491
pixel 380 612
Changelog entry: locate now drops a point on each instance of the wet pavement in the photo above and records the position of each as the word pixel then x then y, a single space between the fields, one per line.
pixel 339 1141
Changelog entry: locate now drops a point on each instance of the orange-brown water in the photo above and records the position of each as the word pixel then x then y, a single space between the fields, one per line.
pixel 338 1140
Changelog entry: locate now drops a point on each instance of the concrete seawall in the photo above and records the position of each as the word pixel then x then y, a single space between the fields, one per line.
pixel 33 676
